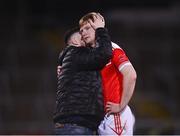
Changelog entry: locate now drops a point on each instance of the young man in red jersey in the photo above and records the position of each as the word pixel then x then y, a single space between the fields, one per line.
pixel 119 78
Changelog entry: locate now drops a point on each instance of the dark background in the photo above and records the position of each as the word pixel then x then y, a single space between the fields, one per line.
pixel 31 37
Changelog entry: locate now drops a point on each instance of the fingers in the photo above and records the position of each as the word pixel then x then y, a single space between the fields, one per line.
pixel 96 21
pixel 94 17
pixel 90 22
pixel 108 106
pixel 112 107
pixel 98 16
pixel 108 109
pixel 102 18
pixel 59 67
pixel 58 70
pixel 109 103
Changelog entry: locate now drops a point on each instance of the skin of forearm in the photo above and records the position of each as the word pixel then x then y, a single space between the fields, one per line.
pixel 129 81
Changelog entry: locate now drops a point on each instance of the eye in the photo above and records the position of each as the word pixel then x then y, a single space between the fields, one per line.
pixel 87 28
pixel 81 31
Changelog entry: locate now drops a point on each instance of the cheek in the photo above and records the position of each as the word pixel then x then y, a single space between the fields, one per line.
pixel 93 35
pixel 92 31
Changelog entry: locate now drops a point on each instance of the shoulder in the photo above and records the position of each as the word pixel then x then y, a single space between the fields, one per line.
pixel 73 50
pixel 115 46
pixel 67 50
pixel 117 50
pixel 70 48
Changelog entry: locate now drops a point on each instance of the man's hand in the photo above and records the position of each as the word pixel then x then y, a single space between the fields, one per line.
pixel 98 21
pixel 58 70
pixel 112 108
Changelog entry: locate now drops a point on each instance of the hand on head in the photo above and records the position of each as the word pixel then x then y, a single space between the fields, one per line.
pixel 98 21
pixel 101 17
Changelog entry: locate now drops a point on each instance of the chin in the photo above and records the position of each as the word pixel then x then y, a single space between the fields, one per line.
pixel 88 42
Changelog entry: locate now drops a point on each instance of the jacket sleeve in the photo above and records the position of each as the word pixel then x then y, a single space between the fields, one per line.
pixel 60 58
pixel 62 55
pixel 96 58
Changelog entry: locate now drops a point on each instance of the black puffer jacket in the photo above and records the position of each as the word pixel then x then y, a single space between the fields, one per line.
pixel 79 89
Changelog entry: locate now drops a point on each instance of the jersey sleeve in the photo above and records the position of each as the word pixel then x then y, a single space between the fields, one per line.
pixel 120 59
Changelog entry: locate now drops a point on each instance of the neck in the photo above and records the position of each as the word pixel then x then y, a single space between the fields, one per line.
pixel 90 45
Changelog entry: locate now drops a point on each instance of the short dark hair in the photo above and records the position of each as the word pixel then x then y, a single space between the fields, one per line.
pixel 69 33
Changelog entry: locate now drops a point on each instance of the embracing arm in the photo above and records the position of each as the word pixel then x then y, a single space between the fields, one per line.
pixel 96 58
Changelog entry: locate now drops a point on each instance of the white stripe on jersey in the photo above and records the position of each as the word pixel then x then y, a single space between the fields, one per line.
pixel 123 65
pixel 115 46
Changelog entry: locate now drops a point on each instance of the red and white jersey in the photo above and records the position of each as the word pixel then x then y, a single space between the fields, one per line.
pixel 112 77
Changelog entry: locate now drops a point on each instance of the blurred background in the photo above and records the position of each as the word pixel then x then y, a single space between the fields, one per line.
pixel 31 37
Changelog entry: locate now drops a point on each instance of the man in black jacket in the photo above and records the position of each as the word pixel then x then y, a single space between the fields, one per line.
pixel 79 104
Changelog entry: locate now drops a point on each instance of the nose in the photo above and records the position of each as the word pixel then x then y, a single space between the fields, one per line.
pixel 83 34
